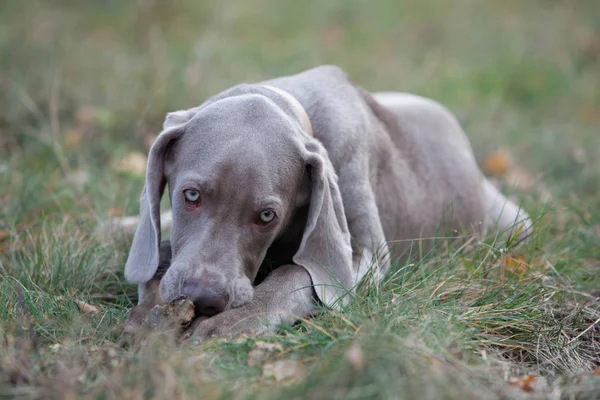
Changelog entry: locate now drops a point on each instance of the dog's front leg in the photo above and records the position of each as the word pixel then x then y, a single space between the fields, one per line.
pixel 282 298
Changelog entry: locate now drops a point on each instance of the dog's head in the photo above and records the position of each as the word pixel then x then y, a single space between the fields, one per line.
pixel 238 168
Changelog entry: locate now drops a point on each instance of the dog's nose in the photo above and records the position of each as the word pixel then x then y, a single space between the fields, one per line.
pixel 208 300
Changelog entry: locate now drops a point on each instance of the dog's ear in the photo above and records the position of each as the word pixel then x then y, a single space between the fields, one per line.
pixel 325 249
pixel 143 258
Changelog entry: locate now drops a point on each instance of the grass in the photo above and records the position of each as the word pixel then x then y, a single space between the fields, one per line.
pixel 84 84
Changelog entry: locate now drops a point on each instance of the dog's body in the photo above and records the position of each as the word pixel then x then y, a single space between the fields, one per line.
pixel 312 213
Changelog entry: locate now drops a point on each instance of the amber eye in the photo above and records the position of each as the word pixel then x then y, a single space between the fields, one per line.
pixel 191 195
pixel 266 216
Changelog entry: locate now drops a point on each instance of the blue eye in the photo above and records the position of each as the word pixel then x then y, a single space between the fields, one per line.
pixel 266 216
pixel 191 195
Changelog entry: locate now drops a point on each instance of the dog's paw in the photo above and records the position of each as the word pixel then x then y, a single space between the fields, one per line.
pixel 232 322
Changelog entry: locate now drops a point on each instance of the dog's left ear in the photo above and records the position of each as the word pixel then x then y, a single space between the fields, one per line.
pixel 325 249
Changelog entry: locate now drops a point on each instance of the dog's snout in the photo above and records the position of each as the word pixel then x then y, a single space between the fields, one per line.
pixel 207 299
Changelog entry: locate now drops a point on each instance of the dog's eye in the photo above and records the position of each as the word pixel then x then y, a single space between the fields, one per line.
pixel 191 195
pixel 266 217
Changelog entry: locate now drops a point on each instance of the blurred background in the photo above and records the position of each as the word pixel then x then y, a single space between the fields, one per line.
pixel 85 85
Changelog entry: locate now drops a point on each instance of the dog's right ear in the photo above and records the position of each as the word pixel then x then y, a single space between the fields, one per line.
pixel 143 258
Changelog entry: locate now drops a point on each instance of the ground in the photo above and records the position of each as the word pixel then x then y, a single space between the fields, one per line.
pixel 85 87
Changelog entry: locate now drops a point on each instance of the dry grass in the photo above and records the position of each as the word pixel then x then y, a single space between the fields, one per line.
pixel 87 84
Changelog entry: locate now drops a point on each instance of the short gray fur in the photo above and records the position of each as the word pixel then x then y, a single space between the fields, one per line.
pixel 381 171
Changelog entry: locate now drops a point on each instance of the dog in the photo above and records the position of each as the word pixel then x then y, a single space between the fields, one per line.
pixel 289 192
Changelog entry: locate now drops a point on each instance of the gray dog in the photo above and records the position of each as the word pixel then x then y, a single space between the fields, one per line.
pixel 291 191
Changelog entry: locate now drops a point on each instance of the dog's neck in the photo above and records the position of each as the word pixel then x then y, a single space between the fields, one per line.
pixel 296 107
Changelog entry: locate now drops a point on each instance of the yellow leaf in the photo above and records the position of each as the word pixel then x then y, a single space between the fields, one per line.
pixel 497 163
pixel 85 307
pixel 529 383
pixel 515 265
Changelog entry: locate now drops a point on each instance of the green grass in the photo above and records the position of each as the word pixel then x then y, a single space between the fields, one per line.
pixel 85 83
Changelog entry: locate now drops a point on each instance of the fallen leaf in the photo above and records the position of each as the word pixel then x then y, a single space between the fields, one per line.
pixel 86 307
pixel 515 265
pixel 529 383
pixel 497 163
pixel 134 163
pixel 597 371
pixel 284 370
pixel 523 382
pixel 262 351
pixel 355 356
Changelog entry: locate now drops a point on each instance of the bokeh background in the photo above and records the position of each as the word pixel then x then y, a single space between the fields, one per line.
pixel 84 88
pixel 518 74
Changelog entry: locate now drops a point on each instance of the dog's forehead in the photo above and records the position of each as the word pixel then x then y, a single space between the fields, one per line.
pixel 245 119
pixel 243 114
pixel 246 137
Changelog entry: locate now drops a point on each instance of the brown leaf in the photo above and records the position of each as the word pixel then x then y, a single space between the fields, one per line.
pixel 133 163
pixel 528 383
pixel 262 351
pixel 515 265
pixel 284 370
pixel 523 382
pixel 497 163
pixel 86 307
